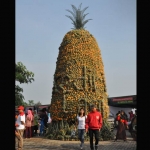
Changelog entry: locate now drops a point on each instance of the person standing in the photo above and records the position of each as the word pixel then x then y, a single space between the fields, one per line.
pixel 117 113
pixel 122 125
pixel 29 119
pixel 81 126
pixel 73 132
pixel 131 115
pixel 44 120
pixel 20 126
pixel 35 122
pixel 32 123
pixel 16 115
pixel 39 127
pixel 93 124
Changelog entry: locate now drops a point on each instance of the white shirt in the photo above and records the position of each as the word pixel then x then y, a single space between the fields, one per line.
pixel 81 122
pixel 18 121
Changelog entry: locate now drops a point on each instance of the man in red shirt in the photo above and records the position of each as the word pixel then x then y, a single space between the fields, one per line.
pixel 93 124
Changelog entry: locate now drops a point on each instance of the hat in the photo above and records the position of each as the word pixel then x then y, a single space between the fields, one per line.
pixel 20 108
pixel 93 106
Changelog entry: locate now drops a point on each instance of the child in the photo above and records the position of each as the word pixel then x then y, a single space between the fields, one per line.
pixel 73 132
pixel 39 125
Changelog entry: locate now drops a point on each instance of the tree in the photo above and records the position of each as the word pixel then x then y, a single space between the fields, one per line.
pixel 31 102
pixel 22 76
pixel 38 103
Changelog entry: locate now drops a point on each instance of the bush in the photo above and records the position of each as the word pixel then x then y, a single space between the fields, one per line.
pixel 60 137
pixel 50 136
pixel 106 133
pixel 65 133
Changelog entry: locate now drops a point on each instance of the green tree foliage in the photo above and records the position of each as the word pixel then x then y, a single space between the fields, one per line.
pixel 31 102
pixel 22 76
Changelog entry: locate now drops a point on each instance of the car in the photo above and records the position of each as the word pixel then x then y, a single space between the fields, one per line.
pixel 111 120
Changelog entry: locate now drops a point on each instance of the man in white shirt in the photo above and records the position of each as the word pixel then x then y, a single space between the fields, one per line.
pixel 20 126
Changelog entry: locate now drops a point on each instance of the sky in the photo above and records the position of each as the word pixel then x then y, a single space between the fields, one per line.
pixel 42 24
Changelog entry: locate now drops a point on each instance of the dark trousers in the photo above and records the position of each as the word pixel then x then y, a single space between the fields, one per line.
pixel 32 131
pixel 96 133
pixel 28 132
pixel 35 129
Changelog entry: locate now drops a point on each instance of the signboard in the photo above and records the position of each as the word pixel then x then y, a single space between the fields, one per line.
pixel 42 106
pixel 124 101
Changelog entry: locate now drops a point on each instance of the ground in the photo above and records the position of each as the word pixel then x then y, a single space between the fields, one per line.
pixel 46 144
pixel 39 143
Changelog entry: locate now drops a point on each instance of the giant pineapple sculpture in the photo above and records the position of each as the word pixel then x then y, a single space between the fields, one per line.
pixel 79 78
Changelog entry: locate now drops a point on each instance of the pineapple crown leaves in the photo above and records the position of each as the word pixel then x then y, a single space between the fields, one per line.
pixel 78 19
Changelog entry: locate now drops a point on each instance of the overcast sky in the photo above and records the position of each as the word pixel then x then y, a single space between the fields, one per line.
pixel 42 24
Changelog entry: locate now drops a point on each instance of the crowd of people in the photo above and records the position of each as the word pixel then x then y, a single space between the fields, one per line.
pixel 131 115
pixel 122 124
pixel 28 123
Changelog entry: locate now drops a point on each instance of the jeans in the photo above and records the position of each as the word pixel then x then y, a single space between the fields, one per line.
pixel 96 133
pixel 41 127
pixel 81 135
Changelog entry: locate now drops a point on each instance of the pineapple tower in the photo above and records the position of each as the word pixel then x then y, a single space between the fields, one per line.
pixel 79 78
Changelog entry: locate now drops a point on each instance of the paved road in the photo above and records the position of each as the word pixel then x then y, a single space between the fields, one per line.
pixel 46 144
pixel 39 143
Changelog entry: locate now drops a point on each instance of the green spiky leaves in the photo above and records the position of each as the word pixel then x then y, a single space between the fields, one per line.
pixel 78 17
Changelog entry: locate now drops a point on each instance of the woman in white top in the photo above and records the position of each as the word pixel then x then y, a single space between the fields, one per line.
pixel 81 126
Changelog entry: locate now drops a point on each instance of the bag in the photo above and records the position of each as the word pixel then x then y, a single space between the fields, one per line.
pixel 116 122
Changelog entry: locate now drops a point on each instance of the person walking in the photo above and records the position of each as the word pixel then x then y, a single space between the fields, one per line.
pixel 122 125
pixel 93 124
pixel 81 126
pixel 20 126
pixel 29 119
